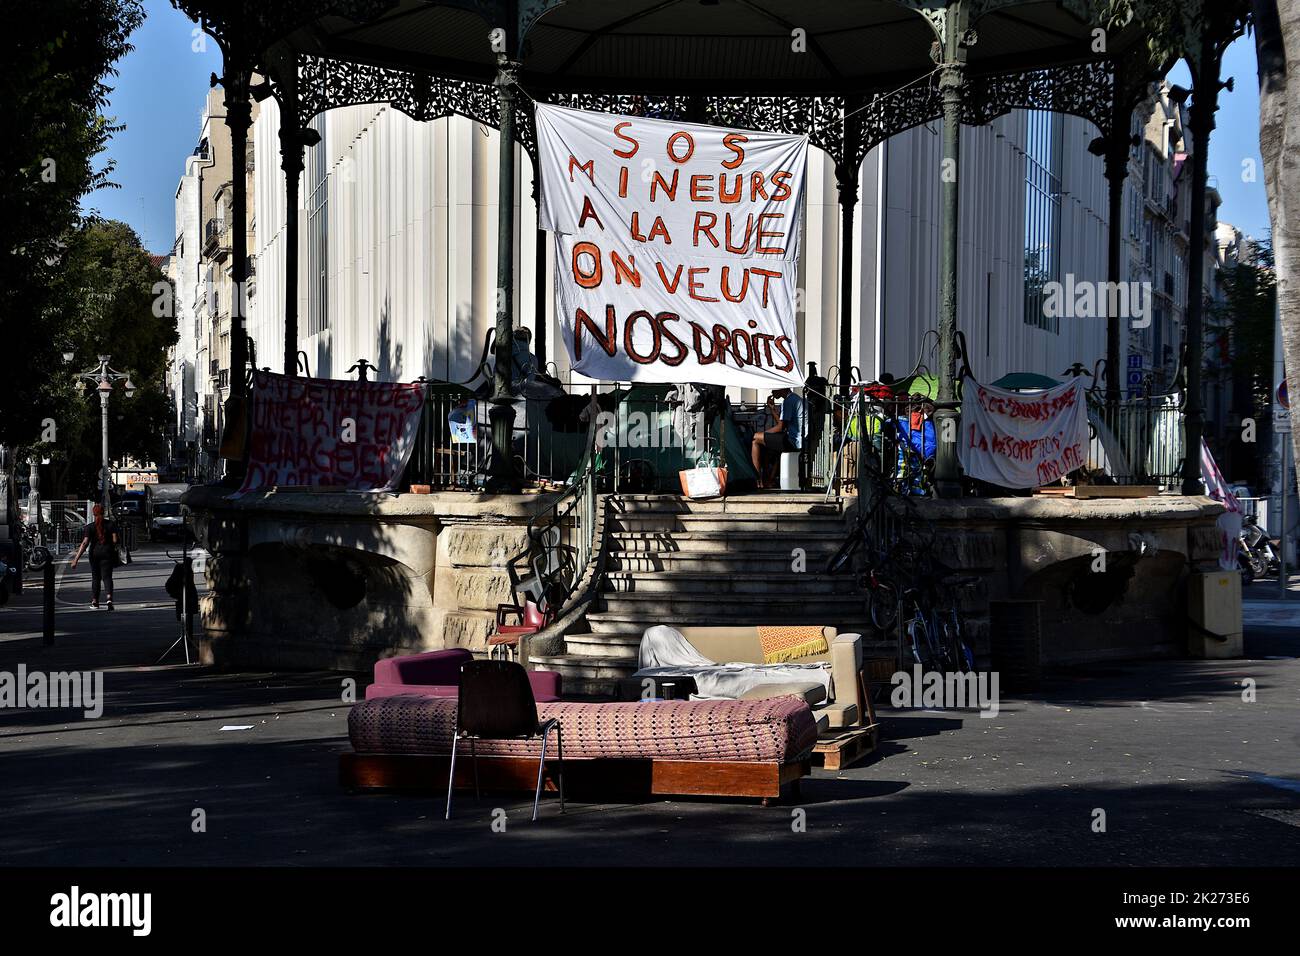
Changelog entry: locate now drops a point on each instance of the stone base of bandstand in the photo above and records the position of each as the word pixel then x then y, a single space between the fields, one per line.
pixel 338 580
pixel 1110 574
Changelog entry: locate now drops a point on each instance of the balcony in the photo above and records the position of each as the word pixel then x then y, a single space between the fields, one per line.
pixel 216 239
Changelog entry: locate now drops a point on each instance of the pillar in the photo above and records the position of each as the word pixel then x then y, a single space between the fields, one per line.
pixel 291 161
pixel 952 74
pixel 238 118
pixel 1117 149
pixel 502 476
pixel 1204 105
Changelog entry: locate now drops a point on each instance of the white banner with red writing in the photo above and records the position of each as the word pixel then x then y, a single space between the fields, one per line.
pixel 676 247
pixel 1023 439
pixel 321 432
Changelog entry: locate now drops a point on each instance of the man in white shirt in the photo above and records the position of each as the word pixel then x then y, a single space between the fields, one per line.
pixel 786 435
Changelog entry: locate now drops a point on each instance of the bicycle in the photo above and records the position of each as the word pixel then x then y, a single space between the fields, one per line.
pixel 935 629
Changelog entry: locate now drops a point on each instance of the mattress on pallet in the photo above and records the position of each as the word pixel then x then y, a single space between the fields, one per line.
pixel 780 729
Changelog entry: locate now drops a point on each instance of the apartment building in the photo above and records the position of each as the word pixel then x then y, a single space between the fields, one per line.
pixel 200 268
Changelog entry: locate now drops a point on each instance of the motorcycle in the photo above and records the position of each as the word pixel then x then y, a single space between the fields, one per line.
pixel 1255 554
pixel 35 554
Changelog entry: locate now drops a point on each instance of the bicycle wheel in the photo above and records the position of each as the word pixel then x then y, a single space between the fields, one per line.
pixel 918 633
pixel 842 558
pixel 955 639
pixel 882 605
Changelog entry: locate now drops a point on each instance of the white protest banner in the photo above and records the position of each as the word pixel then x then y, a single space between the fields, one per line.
pixel 1023 439
pixel 676 247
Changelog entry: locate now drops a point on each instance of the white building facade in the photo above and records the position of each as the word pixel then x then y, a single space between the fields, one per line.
pixel 397 231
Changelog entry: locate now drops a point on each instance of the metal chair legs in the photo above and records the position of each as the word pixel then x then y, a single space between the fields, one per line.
pixel 559 739
pixel 451 774
pixel 473 752
pixel 546 729
pixel 541 767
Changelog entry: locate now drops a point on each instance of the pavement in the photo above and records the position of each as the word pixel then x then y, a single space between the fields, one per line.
pixel 1166 763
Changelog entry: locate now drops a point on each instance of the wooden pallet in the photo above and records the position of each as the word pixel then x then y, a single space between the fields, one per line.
pixel 842 748
pixel 1099 491
pixel 594 778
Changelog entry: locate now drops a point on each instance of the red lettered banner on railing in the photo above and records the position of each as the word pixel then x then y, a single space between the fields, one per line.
pixel 311 431
pixel 676 247
pixel 1023 440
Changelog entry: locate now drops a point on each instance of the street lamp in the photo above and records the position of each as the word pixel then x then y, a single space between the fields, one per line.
pixel 104 378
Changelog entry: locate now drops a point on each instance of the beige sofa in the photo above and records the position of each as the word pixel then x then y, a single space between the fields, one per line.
pixel 740 644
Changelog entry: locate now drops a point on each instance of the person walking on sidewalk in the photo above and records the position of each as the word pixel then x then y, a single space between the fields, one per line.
pixel 101 538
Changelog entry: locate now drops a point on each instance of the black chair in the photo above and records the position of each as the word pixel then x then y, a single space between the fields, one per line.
pixel 495 702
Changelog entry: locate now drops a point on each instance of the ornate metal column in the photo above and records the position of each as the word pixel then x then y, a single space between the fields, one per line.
pixel 239 116
pixel 502 476
pixel 846 183
pixel 292 143
pixel 1117 150
pixel 950 53
pixel 1205 103
pixel 539 278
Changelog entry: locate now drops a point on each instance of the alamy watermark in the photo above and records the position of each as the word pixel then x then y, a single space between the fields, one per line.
pixel 98 910
pixel 56 690
pixel 1088 299
pixel 935 690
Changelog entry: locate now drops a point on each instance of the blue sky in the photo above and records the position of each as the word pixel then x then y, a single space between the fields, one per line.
pixel 159 97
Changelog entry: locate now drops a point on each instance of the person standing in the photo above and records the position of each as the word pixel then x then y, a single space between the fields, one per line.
pixel 101 538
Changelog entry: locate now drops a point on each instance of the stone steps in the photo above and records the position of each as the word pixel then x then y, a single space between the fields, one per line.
pixel 768 504
pixel 729 522
pixel 636 619
pixel 685 563
pixel 619 647
pixel 770 541
pixel 680 562
pixel 586 676
pixel 738 581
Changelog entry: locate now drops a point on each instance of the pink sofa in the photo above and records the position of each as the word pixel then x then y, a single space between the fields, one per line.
pixel 437 674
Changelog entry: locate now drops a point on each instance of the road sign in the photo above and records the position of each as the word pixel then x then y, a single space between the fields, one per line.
pixel 1282 398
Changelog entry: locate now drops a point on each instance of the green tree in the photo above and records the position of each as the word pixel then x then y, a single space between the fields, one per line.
pixel 111 295
pixel 57 56
pixel 1248 314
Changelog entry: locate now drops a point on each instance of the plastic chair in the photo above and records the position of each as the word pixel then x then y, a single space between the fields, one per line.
pixel 495 702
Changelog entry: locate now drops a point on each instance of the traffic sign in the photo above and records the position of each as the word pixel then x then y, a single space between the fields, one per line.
pixel 1282 398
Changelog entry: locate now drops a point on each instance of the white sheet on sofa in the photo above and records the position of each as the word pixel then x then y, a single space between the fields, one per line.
pixel 664 651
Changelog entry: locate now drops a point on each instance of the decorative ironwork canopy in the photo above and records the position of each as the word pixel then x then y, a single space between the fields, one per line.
pixel 779 65
pixel 848 73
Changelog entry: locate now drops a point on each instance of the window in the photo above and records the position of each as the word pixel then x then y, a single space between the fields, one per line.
pixel 1042 214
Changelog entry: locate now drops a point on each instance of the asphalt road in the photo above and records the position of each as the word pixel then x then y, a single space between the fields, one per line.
pixel 1186 771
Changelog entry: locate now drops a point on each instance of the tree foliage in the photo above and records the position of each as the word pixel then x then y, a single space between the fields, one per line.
pixel 1248 315
pixel 58 56
pixel 107 292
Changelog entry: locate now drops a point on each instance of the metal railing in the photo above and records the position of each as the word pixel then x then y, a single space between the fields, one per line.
pixel 893 435
pixel 62 521
pixel 453 443
pixel 1137 442
pixel 563 541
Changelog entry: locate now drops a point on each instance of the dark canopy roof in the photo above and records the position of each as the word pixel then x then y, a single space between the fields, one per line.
pixel 648 46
